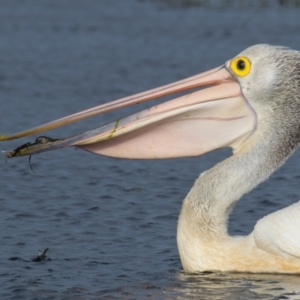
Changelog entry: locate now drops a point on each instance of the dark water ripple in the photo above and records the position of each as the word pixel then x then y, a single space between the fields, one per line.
pixel 110 224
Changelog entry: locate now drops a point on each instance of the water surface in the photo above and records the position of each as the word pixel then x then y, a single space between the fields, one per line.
pixel 110 224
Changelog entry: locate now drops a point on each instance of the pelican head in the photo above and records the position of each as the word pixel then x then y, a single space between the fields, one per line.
pixel 273 74
pixel 271 85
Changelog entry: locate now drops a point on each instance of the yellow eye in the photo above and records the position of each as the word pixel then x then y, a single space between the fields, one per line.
pixel 241 66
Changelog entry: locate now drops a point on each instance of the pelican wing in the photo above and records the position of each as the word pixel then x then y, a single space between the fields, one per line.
pixel 279 232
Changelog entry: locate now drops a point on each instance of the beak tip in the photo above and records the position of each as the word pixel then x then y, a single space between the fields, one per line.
pixel 3 137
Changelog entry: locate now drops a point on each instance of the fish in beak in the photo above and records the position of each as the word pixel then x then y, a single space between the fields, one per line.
pixel 211 118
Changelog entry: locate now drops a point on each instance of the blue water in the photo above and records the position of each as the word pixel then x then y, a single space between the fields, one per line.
pixel 110 224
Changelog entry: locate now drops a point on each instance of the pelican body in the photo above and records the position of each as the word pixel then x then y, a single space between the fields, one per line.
pixel 252 105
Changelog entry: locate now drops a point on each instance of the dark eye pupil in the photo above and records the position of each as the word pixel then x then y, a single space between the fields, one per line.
pixel 241 65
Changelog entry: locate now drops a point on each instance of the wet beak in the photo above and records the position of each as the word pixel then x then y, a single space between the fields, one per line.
pixel 211 118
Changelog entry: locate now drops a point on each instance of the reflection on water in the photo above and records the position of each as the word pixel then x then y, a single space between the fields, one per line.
pixel 220 286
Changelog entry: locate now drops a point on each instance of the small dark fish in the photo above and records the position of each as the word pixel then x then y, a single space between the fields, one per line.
pixel 41 256
pixel 24 146
pixel 42 140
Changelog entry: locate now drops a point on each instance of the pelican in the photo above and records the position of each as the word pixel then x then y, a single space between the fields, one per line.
pixel 250 104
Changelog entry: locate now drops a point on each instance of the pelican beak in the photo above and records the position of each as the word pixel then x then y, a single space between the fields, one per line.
pixel 193 124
